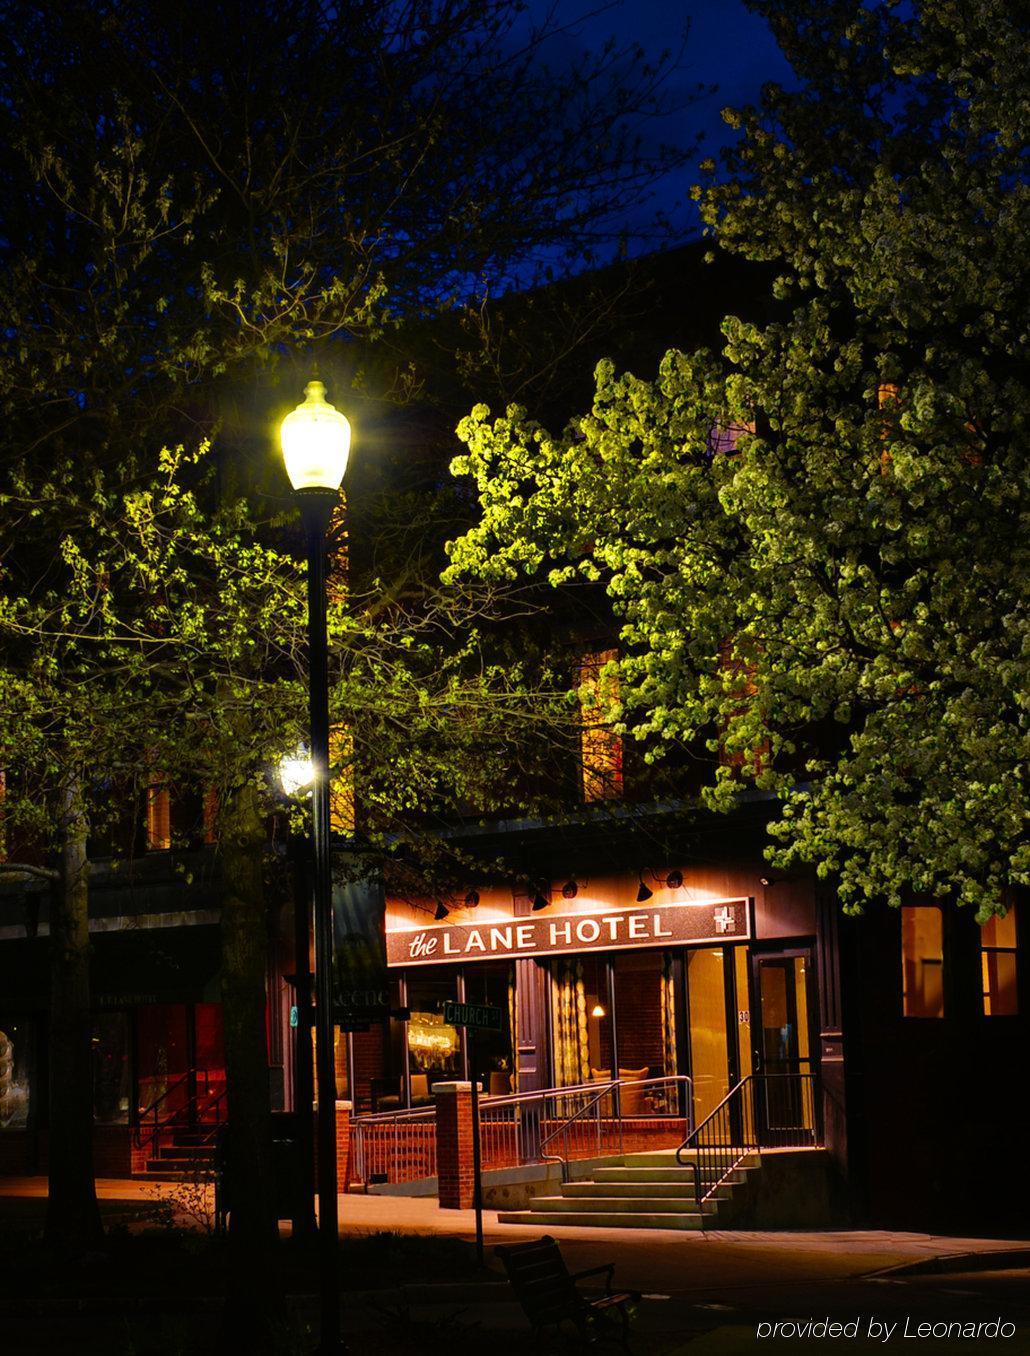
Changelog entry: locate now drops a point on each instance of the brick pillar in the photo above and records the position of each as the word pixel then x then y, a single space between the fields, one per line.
pixel 343 1112
pixel 454 1145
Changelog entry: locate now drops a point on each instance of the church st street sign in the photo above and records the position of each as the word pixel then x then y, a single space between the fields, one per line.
pixel 723 920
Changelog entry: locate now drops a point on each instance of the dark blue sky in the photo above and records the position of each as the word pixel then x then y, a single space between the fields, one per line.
pixel 726 46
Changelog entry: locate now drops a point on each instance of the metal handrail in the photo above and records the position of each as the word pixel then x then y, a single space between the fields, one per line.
pixel 606 1090
pixel 158 1126
pixel 732 1130
pixel 694 1134
pixel 526 1114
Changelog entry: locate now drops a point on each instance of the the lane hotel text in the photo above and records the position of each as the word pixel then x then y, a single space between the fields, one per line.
pixel 721 921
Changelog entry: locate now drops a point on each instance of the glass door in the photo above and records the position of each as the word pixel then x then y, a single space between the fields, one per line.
pixel 784 1092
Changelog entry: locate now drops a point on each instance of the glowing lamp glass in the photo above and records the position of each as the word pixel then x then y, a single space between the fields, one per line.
pixel 296 774
pixel 315 440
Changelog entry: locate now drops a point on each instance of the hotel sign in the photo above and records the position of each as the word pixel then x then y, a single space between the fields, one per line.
pixel 723 920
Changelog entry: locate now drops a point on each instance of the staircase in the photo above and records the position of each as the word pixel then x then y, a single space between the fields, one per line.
pixel 182 1156
pixel 175 1138
pixel 642 1191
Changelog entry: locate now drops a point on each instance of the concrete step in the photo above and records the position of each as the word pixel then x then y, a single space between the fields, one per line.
pixel 619 1219
pixel 177 1150
pixel 657 1158
pixel 672 1176
pixel 612 1188
pixel 180 1167
pixel 607 1204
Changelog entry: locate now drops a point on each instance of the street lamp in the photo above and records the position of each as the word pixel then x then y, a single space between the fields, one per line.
pixel 315 443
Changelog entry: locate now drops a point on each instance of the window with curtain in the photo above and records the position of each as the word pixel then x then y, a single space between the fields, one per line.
pixel 569 1033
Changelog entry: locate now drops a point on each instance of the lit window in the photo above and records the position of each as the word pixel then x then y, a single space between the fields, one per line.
pixel 159 817
pixel 922 961
pixel 998 962
pixel 600 746
pixel 341 780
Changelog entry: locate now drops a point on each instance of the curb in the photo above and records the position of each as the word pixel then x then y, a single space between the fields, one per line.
pixel 1008 1259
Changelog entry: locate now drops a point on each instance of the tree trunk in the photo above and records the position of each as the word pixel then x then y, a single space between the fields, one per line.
pixel 73 1217
pixel 255 1310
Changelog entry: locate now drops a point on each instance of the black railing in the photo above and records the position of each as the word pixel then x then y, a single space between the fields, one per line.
pixel 199 1109
pixel 767 1110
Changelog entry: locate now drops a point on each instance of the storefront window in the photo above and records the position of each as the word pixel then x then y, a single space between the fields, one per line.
pixel 709 1062
pixel 434 1047
pixel 16 1058
pixel 645 1021
pixel 111 1068
pixel 161 1042
pixel 493 983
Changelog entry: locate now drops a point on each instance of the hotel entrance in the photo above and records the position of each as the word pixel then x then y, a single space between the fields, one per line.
pixel 785 1106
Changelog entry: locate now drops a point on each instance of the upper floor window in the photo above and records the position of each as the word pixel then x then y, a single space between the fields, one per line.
pixel 159 817
pixel 998 964
pixel 922 961
pixel 600 746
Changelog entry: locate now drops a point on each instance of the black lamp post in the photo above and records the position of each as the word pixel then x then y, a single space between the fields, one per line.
pixel 315 443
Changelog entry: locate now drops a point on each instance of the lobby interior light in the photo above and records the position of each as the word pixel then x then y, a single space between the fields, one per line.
pixel 598 1010
pixel 643 893
pixel 315 441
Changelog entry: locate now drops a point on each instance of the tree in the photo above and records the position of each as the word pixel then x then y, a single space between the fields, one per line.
pixel 815 540
pixel 188 195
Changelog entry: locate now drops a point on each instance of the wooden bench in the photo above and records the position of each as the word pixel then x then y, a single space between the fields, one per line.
pixel 547 1291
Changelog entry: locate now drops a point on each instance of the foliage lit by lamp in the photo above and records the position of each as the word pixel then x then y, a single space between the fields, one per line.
pixel 316 442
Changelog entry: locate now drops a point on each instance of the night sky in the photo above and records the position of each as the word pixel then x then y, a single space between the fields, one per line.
pixel 726 46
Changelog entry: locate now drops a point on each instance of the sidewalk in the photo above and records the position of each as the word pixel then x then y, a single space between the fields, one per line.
pixel 702 1293
pixel 654 1260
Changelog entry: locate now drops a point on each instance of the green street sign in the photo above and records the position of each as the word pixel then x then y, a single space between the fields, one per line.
pixel 477 1016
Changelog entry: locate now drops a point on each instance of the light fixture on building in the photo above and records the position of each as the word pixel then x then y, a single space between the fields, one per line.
pixel 570 889
pixel 472 899
pixel 442 911
pixel 767 881
pixel 643 893
pixel 674 880
pixel 598 1010
pixel 540 900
